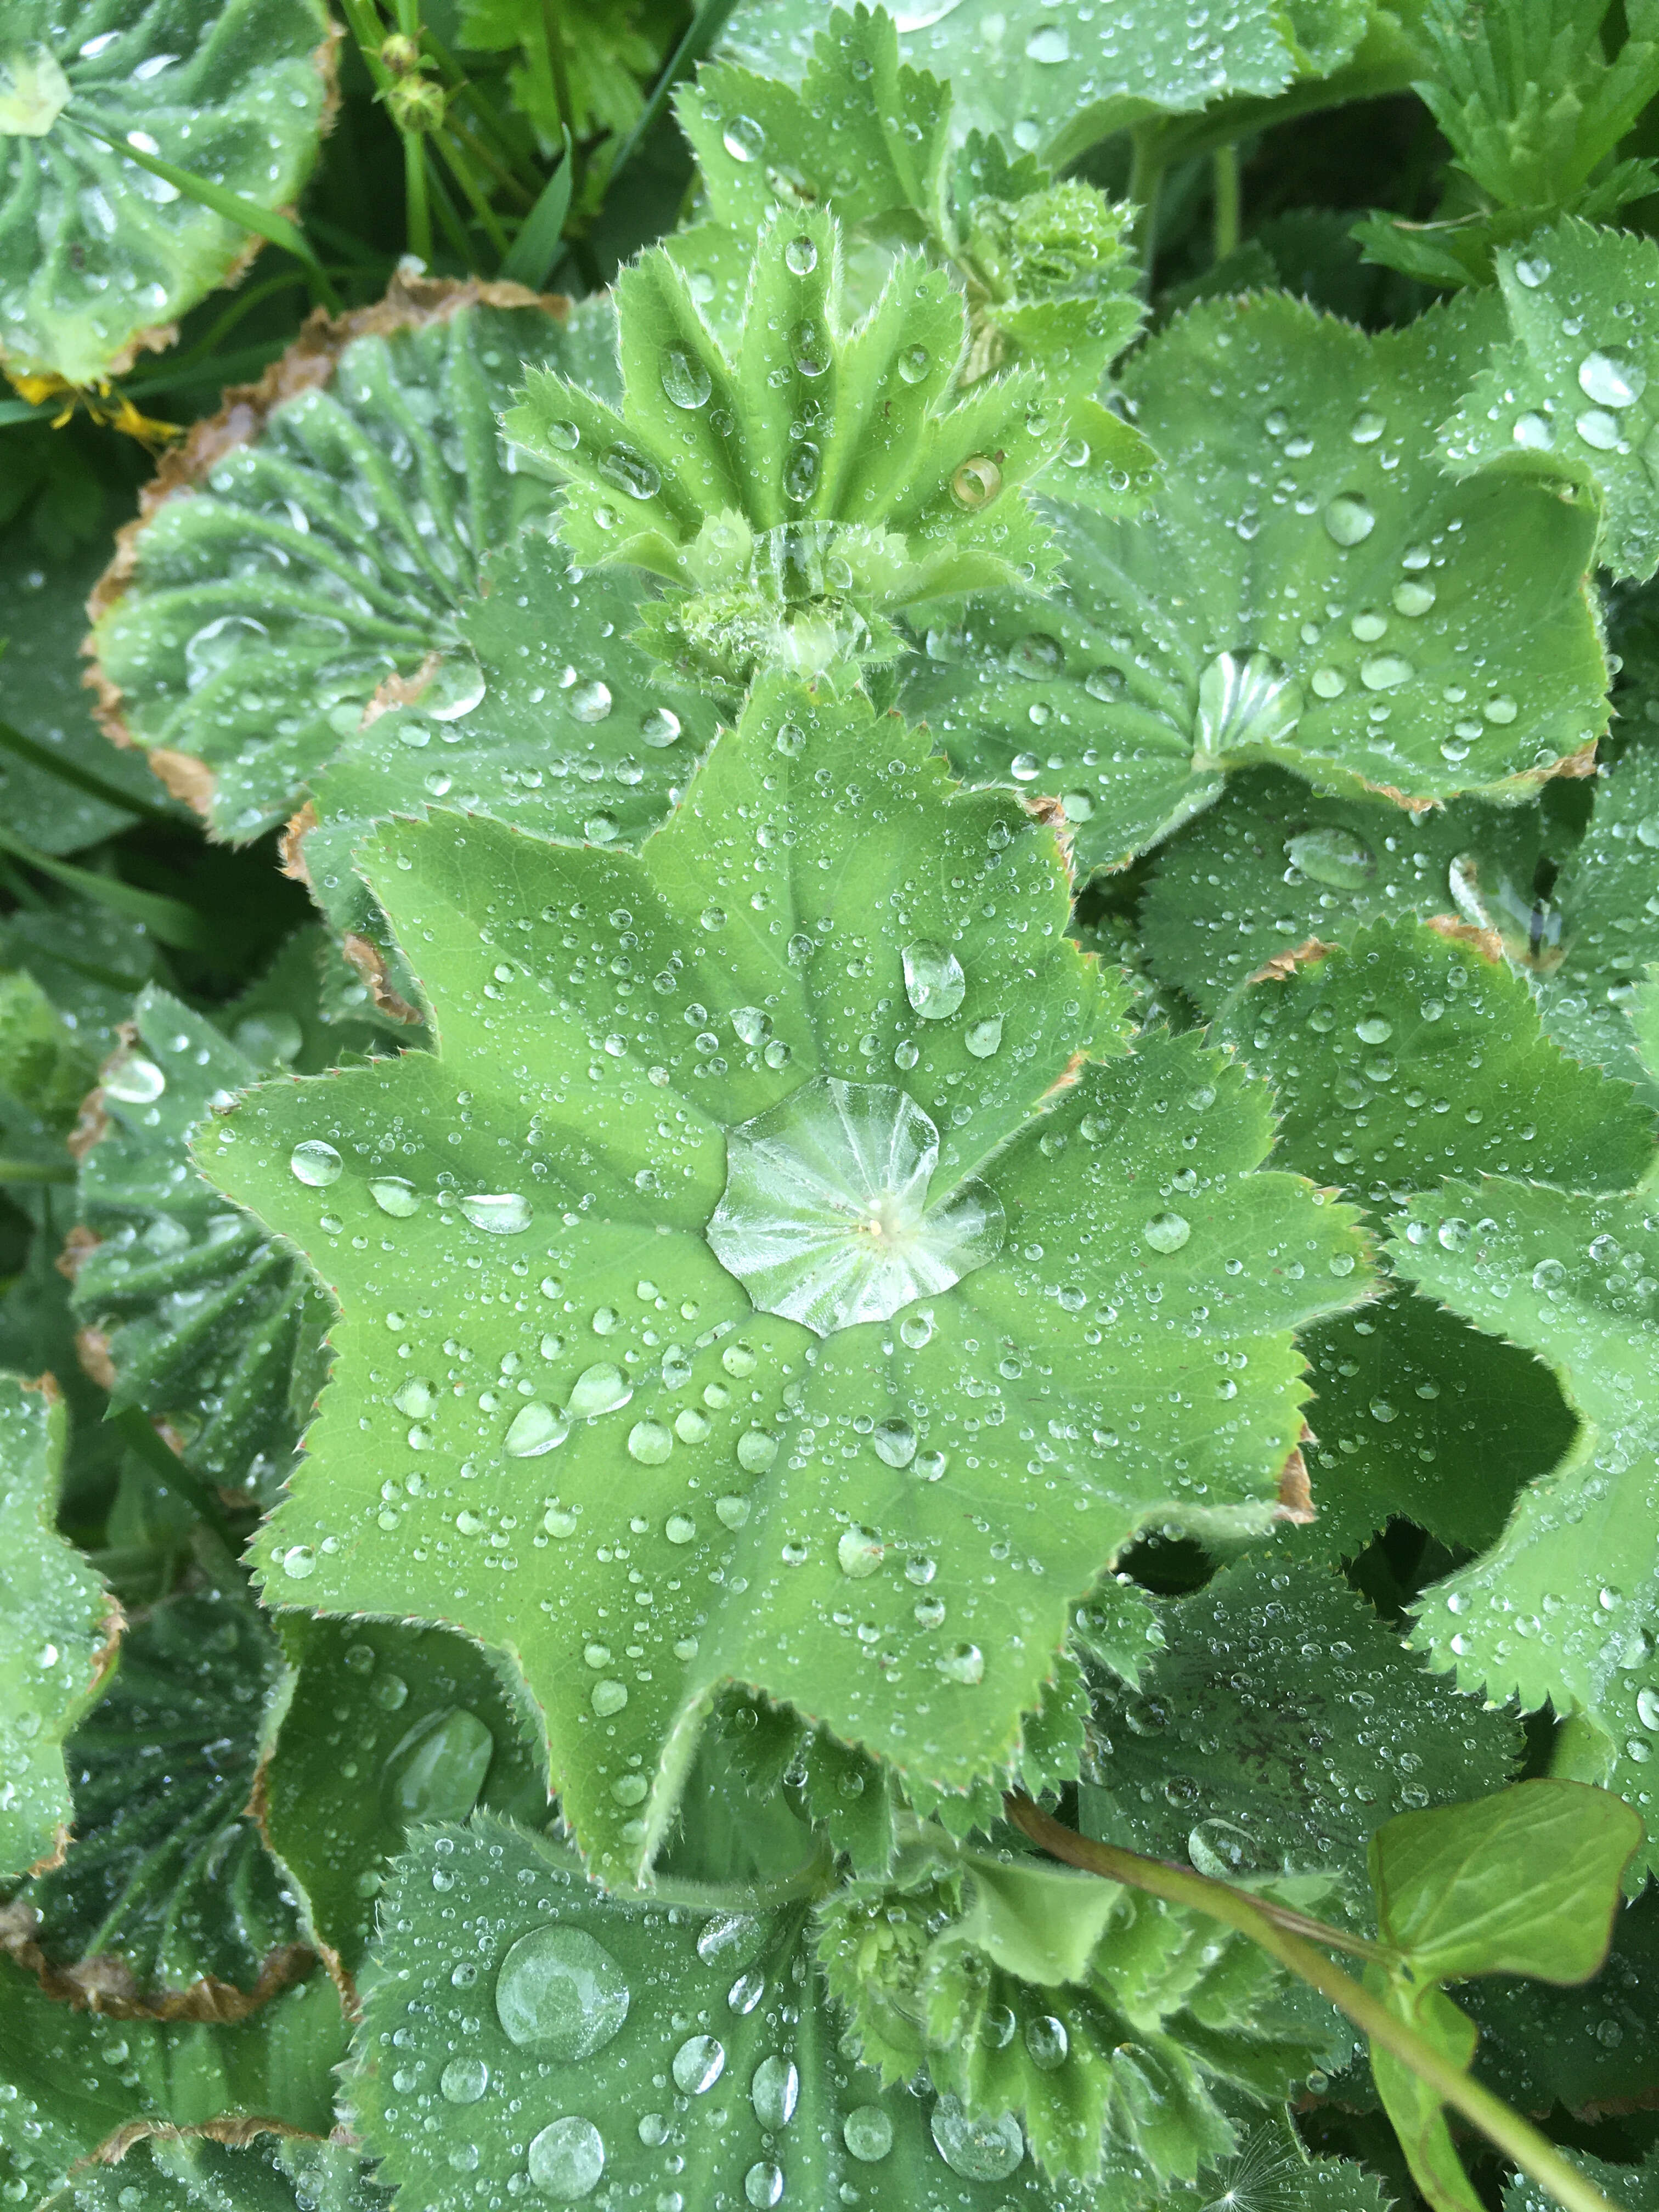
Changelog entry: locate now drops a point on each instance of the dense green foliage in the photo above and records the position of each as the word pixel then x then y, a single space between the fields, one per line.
pixel 828 1270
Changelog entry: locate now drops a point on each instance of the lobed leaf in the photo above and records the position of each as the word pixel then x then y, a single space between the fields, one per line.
pixel 779 915
pixel 58 1627
pixel 166 2171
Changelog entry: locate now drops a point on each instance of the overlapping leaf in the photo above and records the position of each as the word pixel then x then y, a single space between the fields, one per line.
pixel 1561 1608
pixel 187 1310
pixel 57 1631
pixel 1588 2048
pixel 1281 1725
pixel 825 1509
pixel 98 254
pixel 382 1728
pixel 1307 588
pixel 532 2032
pixel 73 2079
pixel 167 1902
pixel 167 2171
pixel 1566 400
pixel 319 538
pixel 1405 1056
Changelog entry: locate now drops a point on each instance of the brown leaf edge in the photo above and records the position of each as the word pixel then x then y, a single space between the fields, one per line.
pixel 257 1810
pixel 235 2133
pixel 411 302
pixel 107 1985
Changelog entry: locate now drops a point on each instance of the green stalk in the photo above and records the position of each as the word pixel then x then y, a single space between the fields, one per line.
pixel 1146 162
pixel 417 216
pixel 449 222
pixel 1228 199
pixel 139 1435
pixel 1516 2138
pixel 557 67
pixel 36 1171
pixel 701 33
pixel 460 169
pixel 478 151
pixel 169 918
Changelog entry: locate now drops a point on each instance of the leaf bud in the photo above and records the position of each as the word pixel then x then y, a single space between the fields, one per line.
pixel 416 104
pixel 401 54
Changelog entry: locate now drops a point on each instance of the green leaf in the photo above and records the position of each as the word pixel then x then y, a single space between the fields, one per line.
pixel 1323 592
pixel 1566 400
pixel 236 89
pixel 44 1074
pixel 1418 2117
pixel 89 962
pixel 1273 866
pixel 308 1011
pixel 1525 1881
pixel 383 1727
pixel 528 2029
pixel 57 1631
pixel 1552 1610
pixel 1636 2188
pixel 318 541
pixel 193 1314
pixel 808 479
pixel 166 1903
pixel 924 943
pixel 610 55
pixel 1274 2168
pixel 42 621
pixel 168 2173
pixel 75 2077
pixel 1280 1724
pixel 1588 2048
pixel 603 764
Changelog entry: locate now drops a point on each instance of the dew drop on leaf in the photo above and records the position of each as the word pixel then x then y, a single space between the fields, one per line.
pixel 503 1213
pixel 859 1552
pixel 801 256
pixel 608 1698
pixel 867 2133
pixel 976 481
pixel 1047 2041
pixel 463 2081
pixel 566 2159
pixel 894 1442
pixel 1349 519
pixel 1611 380
pixel 1335 857
pixel 965 1664
pixel 649 1442
pixel 601 1388
pixel 560 1992
pixel 394 1196
pixel 983 1038
pixel 1245 699
pixel 315 1162
pixel 979 2150
pixel 774 2092
pixel 744 138
pixel 136 1081
pixel 698 2064
pixel 1167 1231
pixel 933 981
pixel 685 381
pixel 535 1429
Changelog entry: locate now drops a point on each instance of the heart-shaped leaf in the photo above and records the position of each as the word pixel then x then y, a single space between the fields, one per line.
pixel 786 1200
pixel 1307 587
pixel 97 254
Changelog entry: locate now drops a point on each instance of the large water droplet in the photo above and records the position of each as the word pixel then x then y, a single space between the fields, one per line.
pixel 649 1442
pixel 744 138
pixel 933 981
pixel 566 2159
pixel 1349 519
pixel 1335 857
pixel 774 2092
pixel 826 1218
pixel 976 481
pixel 1167 1231
pixel 463 2081
pixel 698 2064
pixel 1245 699
pixel 394 1196
pixel 860 1552
pixel 1047 2041
pixel 437 1770
pixel 561 1992
pixel 1647 1708
pixel 599 1389
pixel 965 1664
pixel 502 1212
pixel 1611 380
pixel 979 2150
pixel 535 1429
pixel 762 2186
pixel 315 1162
pixel 867 2133
pixel 136 1081
pixel 685 380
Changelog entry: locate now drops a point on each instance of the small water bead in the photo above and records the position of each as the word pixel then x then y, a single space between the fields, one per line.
pixel 801 256
pixel 744 139
pixel 1374 1029
pixel 629 471
pixel 690 1426
pixel 859 1552
pixel 1454 1235
pixel 979 2150
pixel 136 1081
pixel 976 481
pixel 1049 44
pixel 746 1992
pixel 1167 1231
pixel 1611 380
pixel 564 434
pixel 650 1443
pixel 732 1512
pixel 1048 2043
pixel 314 1163
pixel 566 2159
pixel 1104 684
pixel 561 1993
pixel 1221 1849
pixel 1335 857
pixel 608 1698
pixel 661 727
pixel 1327 682
pixel 1368 627
pixel 1532 271
pixel 394 1196
pixel 1367 426
pixel 502 1214
pixel 599 1389
pixel 1349 519
pixel 1501 709
pixel 894 1441
pixel 535 1429
pixel 1548 1275
pixel 913 363
pixel 698 2064
pixel 1385 672
pixel 774 2092
pixel 755 1451
pixel 463 2081
pixel 867 2133
pixel 764 2183
pixel 414 1398
pixel 590 703
pixel 300 1561
pixel 915 1330
pixel 685 381
pixel 654 2130
pixel 1647 1708
pixel 966 1664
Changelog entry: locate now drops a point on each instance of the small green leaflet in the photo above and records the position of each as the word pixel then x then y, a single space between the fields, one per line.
pixel 170 2172
pixel 1566 400
pixel 72 2079
pixel 167 1902
pixel 96 255
pixel 381 1727
pixel 1328 599
pixel 1054 77
pixel 571 1331
pixel 189 1311
pixel 57 1631
pixel 1219 1759
pixel 525 2028
pixel 1561 1606
pixel 320 542
pixel 609 52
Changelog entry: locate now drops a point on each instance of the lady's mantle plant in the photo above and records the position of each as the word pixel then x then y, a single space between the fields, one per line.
pixel 884 1437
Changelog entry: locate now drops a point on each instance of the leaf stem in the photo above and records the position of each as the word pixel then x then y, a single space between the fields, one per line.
pixel 36 1171
pixel 1517 2138
pixel 700 35
pixel 417 209
pixel 169 919
pixel 1145 183
pixel 558 69
pixel 1229 199
pixel 138 1433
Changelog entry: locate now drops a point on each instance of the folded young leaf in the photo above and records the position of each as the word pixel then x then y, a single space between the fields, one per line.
pixel 187 1311
pixel 1561 1608
pixel 167 1904
pixel 99 256
pixel 320 538
pixel 681 1087
pixel 380 1728
pixel 1308 588
pixel 167 2171
pixel 532 2032
pixel 1566 401
pixel 58 1627
pixel 1220 1759
pixel 71 2081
